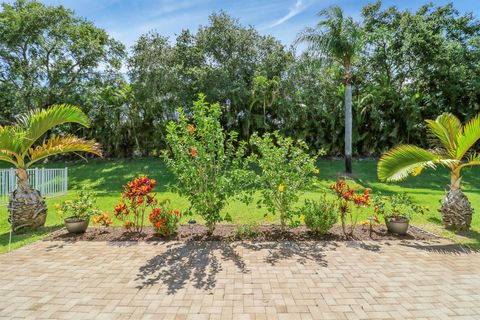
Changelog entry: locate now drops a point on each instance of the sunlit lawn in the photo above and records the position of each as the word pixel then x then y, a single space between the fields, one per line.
pixel 107 177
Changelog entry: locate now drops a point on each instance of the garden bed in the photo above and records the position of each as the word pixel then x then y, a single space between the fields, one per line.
pixel 230 232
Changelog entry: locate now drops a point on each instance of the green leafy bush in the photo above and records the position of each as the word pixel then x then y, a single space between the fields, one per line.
pixel 286 168
pixel 206 161
pixel 81 207
pixel 396 206
pixel 319 216
pixel 247 231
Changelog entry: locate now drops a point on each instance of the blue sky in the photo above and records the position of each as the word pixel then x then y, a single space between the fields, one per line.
pixel 126 20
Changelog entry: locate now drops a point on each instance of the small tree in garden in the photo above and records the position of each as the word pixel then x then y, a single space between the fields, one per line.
pixel 208 167
pixel 286 170
pixel 136 199
pixel 349 203
pixel 25 143
pixel 452 147
pixel 337 38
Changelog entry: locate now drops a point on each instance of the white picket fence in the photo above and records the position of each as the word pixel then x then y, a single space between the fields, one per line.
pixel 50 182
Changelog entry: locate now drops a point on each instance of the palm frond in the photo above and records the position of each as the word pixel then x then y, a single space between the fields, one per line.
pixel 334 36
pixel 11 140
pixel 446 128
pixel 37 122
pixel 8 157
pixel 473 160
pixel 332 15
pixel 467 137
pixel 473 157
pixel 404 160
pixel 57 145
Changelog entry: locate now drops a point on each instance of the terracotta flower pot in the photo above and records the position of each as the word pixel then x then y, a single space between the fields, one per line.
pixel 76 225
pixel 398 225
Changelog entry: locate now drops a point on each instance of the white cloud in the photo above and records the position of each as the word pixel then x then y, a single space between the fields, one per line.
pixel 297 8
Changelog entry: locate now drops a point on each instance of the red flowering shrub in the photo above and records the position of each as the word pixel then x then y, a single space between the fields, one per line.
pixel 348 204
pixel 207 162
pixel 136 198
pixel 165 220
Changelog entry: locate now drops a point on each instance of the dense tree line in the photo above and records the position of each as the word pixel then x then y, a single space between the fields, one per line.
pixel 410 66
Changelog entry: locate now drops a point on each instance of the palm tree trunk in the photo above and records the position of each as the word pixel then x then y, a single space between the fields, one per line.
pixel 455 181
pixel 456 210
pixel 28 210
pixel 348 126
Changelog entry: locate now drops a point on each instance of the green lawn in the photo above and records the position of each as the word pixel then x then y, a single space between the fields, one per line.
pixel 107 177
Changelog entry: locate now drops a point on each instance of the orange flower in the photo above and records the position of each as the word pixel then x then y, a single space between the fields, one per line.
pixel 191 128
pixel 119 208
pixel 193 152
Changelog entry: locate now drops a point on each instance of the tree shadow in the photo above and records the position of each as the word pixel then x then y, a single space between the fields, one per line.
pixel 182 262
pixel 436 220
pixel 472 235
pixel 57 246
pixel 301 251
pixel 442 248
pixel 373 247
pixel 21 237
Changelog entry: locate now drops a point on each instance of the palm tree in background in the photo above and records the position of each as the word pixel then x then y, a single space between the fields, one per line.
pixel 451 147
pixel 20 146
pixel 337 39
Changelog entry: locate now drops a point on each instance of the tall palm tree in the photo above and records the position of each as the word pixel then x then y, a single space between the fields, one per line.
pixel 336 38
pixel 20 147
pixel 451 146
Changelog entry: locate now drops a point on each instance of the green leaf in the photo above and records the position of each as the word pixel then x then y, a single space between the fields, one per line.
pixel 37 122
pixel 446 128
pixel 402 161
pixel 467 137
pixel 57 145
pixel 11 139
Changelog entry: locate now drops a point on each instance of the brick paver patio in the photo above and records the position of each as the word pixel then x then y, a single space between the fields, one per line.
pixel 219 280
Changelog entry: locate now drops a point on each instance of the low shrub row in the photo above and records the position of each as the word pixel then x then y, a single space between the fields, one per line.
pixel 211 168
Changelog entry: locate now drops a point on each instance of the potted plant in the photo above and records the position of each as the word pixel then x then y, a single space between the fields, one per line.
pixel 397 211
pixel 79 210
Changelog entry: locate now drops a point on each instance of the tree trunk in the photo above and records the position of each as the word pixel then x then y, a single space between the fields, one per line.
pixel 456 210
pixel 28 210
pixel 348 126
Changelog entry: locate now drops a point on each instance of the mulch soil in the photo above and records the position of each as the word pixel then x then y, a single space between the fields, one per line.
pixel 230 232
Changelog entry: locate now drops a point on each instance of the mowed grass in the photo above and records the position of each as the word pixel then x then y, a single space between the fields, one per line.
pixel 107 177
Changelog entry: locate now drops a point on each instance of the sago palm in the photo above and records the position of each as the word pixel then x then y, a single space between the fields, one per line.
pixel 451 147
pixel 20 146
pixel 337 38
